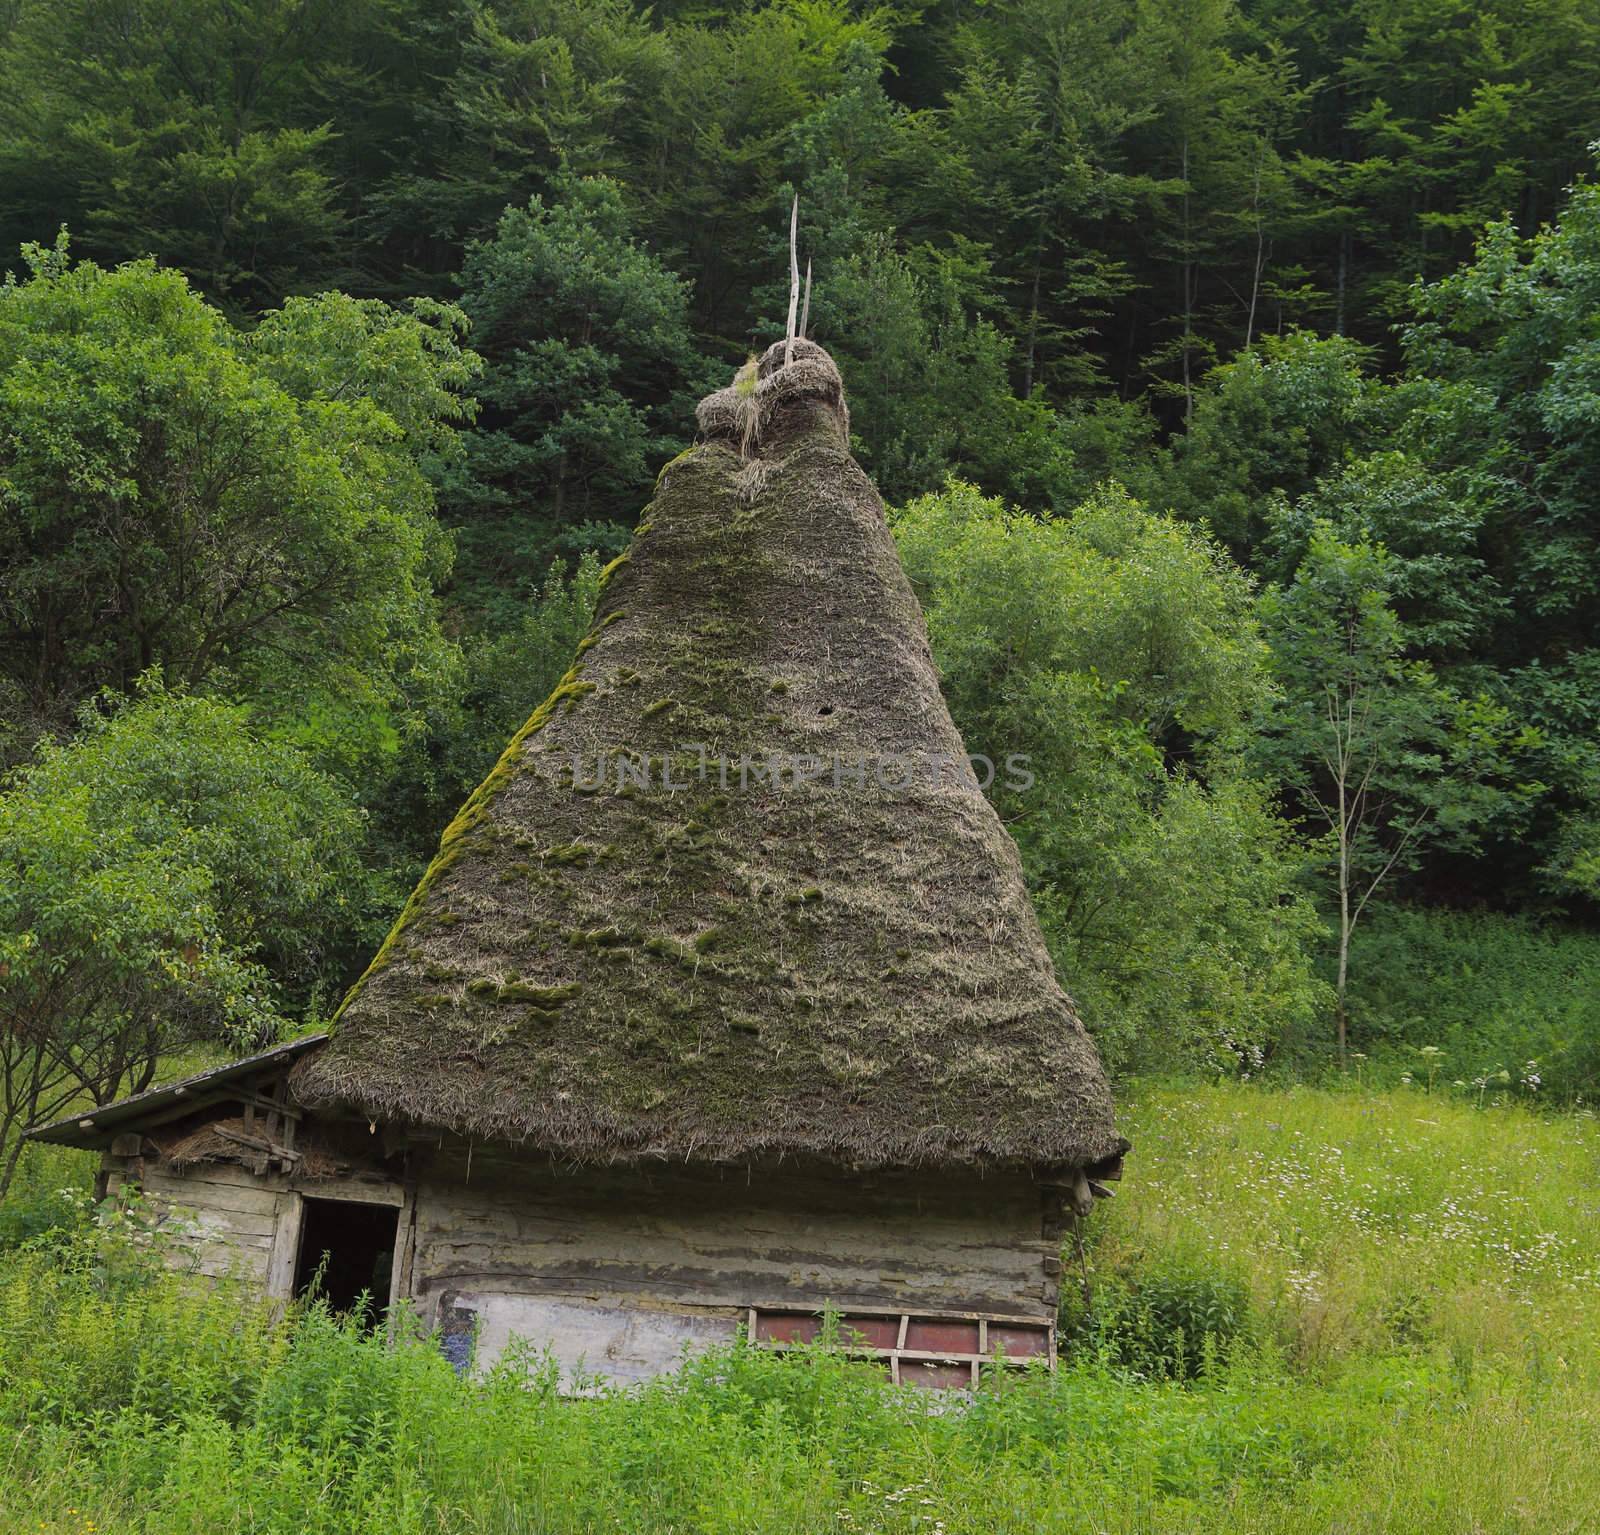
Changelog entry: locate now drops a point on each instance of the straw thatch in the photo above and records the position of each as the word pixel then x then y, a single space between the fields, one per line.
pixel 675 965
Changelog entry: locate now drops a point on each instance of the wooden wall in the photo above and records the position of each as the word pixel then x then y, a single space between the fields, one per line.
pixel 228 1220
pixel 617 1270
pixel 732 1237
pixel 621 1269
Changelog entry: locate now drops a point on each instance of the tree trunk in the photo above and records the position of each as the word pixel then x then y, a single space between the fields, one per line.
pixel 1261 257
pixel 1346 922
pixel 1033 318
pixel 1188 293
pixel 9 1171
pixel 1344 967
pixel 1339 282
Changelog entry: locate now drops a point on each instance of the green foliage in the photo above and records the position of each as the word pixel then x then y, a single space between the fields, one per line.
pixel 1502 394
pixel 1437 580
pixel 510 674
pixel 1503 385
pixel 1363 1222
pixel 169 875
pixel 1382 758
pixel 1266 428
pixel 501 678
pixel 1167 1319
pixel 1036 227
pixel 1483 994
pixel 927 379
pixel 1157 186
pixel 491 101
pixel 188 131
pixel 48 1192
pixel 1117 651
pixel 247 513
pixel 1289 273
pixel 589 384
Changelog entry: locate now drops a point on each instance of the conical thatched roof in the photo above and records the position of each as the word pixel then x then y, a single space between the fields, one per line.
pixel 683 966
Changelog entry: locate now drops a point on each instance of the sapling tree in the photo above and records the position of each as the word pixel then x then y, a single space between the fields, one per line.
pixel 1370 745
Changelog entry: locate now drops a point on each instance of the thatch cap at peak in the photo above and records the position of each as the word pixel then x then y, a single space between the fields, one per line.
pixel 767 389
pixel 800 363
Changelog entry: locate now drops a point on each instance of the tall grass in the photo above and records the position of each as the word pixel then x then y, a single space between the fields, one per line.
pixel 1364 1221
pixel 1309 1311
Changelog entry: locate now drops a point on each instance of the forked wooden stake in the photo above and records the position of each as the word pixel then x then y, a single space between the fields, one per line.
pixel 794 278
pixel 805 308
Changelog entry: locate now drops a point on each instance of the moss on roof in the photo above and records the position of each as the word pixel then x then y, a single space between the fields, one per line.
pixel 620 952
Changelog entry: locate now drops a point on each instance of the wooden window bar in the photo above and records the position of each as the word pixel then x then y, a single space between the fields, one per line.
pixel 926 1348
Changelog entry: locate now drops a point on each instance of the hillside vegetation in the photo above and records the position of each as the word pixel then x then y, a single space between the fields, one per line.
pixel 1228 372
pixel 1227 368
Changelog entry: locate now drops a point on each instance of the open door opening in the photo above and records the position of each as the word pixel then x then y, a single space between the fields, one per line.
pixel 347 1251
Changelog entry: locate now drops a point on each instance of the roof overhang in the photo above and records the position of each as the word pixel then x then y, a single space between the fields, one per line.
pixel 94 1129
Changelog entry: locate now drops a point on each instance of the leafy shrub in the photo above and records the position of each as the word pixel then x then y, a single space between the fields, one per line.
pixel 1490 993
pixel 25 1217
pixel 1177 1320
pixel 1116 652
pixel 49 1191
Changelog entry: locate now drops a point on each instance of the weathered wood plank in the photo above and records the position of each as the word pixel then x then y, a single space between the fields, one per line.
pixel 219 1264
pixel 237 1225
pixel 865 1245
pixel 356 1191
pixel 221 1174
pixel 258 1248
pixel 404 1251
pixel 669 1238
pixel 204 1189
pixel 279 1276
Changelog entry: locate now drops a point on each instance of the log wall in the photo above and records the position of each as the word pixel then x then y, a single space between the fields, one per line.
pixel 618 1270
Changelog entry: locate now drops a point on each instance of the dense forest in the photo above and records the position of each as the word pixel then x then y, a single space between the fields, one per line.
pixel 1232 372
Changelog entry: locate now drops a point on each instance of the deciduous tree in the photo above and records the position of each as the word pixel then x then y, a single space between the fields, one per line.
pixel 170 876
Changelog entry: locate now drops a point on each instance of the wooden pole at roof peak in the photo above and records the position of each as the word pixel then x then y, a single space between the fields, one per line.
pixel 805 307
pixel 794 278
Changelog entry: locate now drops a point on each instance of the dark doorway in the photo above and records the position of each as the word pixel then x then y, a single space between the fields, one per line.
pixel 347 1252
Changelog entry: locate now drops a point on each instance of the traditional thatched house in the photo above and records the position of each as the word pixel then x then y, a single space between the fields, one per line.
pixel 723 1001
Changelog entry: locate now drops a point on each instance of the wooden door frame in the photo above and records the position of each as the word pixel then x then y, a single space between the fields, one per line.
pixel 290 1225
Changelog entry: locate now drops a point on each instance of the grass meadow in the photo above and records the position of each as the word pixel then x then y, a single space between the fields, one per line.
pixel 1307 1310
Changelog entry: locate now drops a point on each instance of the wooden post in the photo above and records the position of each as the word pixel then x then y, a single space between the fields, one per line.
pixel 285 1246
pixel 805 308
pixel 405 1253
pixel 794 278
